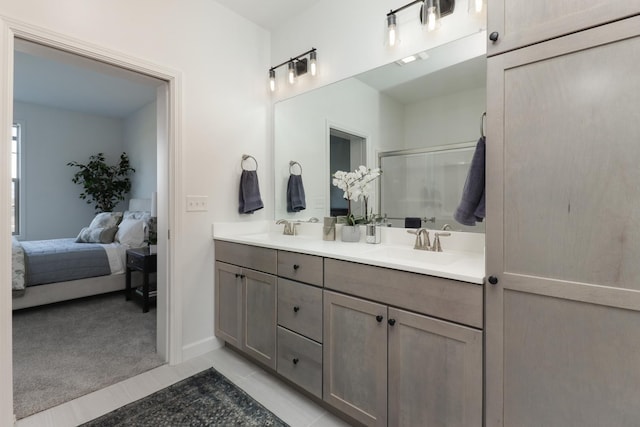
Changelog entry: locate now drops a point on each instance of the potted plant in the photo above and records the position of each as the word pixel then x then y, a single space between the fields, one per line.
pixel 103 185
pixel 356 185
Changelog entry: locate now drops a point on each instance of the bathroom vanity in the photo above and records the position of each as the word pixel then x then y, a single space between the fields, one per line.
pixel 386 334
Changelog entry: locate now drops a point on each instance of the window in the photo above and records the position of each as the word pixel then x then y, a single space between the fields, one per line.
pixel 15 179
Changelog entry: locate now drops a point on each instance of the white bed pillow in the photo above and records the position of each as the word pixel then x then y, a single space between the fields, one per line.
pixel 143 215
pixel 106 220
pixel 131 233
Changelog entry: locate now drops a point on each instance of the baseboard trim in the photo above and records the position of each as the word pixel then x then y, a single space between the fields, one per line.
pixel 201 347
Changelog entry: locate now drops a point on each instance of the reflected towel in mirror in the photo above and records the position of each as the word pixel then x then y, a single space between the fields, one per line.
pixel 472 204
pixel 250 200
pixel 295 194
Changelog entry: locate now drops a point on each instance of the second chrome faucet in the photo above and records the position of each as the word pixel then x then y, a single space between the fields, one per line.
pixel 423 242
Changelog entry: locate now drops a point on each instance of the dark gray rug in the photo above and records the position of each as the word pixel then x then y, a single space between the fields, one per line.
pixel 66 350
pixel 205 399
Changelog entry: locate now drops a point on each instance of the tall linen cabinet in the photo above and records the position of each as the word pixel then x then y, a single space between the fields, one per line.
pixel 562 325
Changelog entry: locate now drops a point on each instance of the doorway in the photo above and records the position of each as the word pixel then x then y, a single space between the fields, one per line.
pixel 169 315
pixel 347 151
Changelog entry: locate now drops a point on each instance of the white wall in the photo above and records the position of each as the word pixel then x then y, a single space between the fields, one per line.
pixel 51 138
pixel 140 143
pixel 225 111
pixel 448 119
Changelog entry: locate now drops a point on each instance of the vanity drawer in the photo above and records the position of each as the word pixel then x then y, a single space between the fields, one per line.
pixel 300 308
pixel 254 257
pixel 448 299
pixel 300 361
pixel 300 267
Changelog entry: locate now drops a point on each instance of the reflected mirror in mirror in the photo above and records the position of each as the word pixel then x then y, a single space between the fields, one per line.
pixel 434 101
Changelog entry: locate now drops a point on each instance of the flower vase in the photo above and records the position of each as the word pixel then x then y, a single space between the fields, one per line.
pixel 350 233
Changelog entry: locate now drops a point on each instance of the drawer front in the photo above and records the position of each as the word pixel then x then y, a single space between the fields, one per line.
pixel 300 267
pixel 300 308
pixel 254 257
pixel 448 299
pixel 135 261
pixel 300 361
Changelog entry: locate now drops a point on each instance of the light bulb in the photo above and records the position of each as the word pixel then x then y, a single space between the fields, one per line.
pixel 313 63
pixel 292 73
pixel 478 6
pixel 392 30
pixel 431 19
pixel 272 80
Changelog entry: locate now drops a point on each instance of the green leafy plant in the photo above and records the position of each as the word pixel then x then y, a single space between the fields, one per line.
pixel 103 185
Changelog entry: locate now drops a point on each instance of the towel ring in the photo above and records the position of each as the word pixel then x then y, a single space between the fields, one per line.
pixel 292 163
pixel 245 157
pixel 482 121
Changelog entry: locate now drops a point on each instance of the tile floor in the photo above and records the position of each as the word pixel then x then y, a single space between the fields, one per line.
pixel 279 398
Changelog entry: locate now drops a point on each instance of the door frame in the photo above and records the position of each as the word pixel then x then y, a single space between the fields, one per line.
pixel 169 99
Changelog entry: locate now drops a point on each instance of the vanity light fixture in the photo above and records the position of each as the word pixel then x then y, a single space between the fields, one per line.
pixel 296 66
pixel 430 13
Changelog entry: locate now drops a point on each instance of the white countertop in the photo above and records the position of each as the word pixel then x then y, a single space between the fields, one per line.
pixel 462 257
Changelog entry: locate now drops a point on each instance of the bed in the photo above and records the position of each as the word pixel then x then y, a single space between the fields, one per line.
pixel 92 263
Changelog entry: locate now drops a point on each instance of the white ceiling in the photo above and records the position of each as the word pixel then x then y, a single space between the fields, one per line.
pixel 269 14
pixel 53 78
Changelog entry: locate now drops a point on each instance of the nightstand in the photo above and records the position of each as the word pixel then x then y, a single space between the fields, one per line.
pixel 139 259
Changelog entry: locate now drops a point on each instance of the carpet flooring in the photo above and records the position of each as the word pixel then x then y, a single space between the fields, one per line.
pixel 66 350
pixel 205 399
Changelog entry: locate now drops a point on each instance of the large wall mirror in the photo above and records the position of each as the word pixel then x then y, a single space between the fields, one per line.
pixel 393 114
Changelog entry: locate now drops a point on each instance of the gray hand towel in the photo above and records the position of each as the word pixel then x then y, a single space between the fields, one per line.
pixel 250 200
pixel 472 204
pixel 295 194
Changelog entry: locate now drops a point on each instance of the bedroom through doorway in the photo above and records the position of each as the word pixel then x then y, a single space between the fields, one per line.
pixel 67 108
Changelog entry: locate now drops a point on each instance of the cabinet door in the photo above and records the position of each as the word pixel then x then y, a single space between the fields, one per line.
pixel 228 304
pixel 435 372
pixel 563 202
pixel 523 22
pixel 259 311
pixel 355 357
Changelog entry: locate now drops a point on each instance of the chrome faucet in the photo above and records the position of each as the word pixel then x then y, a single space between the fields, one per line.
pixel 289 227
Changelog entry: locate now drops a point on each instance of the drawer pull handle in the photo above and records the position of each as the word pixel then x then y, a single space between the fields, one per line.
pixel 379 318
pixel 295 360
pixel 391 322
pixel 296 308
pixel 296 266
pixel 494 36
pixel 493 280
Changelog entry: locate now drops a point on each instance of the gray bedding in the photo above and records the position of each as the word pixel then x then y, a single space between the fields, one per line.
pixel 61 260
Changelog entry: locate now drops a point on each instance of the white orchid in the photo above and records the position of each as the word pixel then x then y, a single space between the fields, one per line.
pixel 356 185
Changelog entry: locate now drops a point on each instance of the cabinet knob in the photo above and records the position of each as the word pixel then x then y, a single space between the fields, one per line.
pixel 494 36
pixel 391 322
pixel 493 280
pixel 296 266
pixel 295 360
pixel 379 318
pixel 296 308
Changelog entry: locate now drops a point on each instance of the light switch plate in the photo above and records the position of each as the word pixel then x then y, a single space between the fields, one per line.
pixel 197 204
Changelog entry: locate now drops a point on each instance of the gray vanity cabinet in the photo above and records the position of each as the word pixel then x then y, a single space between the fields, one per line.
pixel 524 22
pixel 245 299
pixel 355 357
pixel 563 201
pixel 423 370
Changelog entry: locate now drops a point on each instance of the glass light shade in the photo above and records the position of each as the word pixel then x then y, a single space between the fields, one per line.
pixel 476 6
pixel 431 14
pixel 272 80
pixel 313 60
pixel 291 73
pixel 392 31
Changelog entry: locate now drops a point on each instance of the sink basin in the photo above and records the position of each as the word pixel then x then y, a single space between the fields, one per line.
pixel 405 254
pixel 274 238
